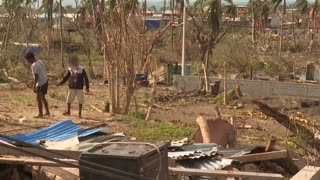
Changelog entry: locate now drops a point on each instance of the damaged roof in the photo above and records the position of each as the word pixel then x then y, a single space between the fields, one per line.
pixel 205 156
pixel 60 131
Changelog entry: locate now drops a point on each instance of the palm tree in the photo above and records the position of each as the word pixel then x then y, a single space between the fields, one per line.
pixel 254 4
pixel 304 7
pixel 211 11
pixel 231 9
pixel 47 6
pixel 276 4
pixel 265 10
pixel 260 10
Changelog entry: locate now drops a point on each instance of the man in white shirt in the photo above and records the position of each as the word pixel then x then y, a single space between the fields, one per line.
pixel 40 85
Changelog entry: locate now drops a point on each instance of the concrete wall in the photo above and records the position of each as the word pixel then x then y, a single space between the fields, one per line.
pixel 253 88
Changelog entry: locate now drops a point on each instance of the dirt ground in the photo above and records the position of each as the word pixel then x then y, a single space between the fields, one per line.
pixel 253 128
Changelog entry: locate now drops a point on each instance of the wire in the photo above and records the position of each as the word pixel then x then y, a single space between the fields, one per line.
pixel 105 168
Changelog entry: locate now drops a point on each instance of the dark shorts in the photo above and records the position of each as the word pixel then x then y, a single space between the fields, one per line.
pixel 43 89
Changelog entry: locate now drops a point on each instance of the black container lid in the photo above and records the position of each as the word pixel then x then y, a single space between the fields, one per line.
pixel 131 149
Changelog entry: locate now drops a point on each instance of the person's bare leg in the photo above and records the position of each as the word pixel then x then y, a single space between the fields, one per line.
pixel 68 109
pixel 39 101
pixel 46 106
pixel 80 110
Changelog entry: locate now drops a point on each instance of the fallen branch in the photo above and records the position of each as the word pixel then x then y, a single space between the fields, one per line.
pixel 293 126
pixel 95 108
pixel 161 107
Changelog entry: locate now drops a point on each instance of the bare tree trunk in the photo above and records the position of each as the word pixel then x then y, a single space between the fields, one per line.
pixel 253 35
pixel 117 85
pixel 91 72
pixel 9 28
pixel 281 34
pixel 225 101
pixel 109 72
pixel 293 31
pixel 61 33
pixel 153 95
pixel 207 57
pixel 281 26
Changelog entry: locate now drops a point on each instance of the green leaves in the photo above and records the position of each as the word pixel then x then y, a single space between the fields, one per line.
pixel 214 17
pixel 303 5
pixel 231 8
pixel 211 11
pixel 276 4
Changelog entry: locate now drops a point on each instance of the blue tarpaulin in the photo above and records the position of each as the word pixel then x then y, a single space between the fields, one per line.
pixel 60 131
pixel 155 23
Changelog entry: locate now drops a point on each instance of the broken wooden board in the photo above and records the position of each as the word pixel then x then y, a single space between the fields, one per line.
pixel 14 151
pixel 29 161
pixel 160 73
pixel 65 173
pixel 223 173
pixel 308 173
pixel 261 156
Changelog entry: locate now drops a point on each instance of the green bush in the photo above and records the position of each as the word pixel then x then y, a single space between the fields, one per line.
pixel 137 114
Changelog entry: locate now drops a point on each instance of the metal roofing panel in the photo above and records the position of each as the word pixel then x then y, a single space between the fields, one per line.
pixel 205 163
pixel 191 154
pixel 57 132
pixel 88 144
pixel 228 152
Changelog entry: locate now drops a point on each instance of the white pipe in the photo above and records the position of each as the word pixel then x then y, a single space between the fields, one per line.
pixel 183 42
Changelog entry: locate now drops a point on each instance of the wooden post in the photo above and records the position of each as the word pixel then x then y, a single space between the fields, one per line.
pixel 204 129
pixel 234 142
pixel 153 94
pixel 272 141
pixel 225 84
pixel 205 77
pixel 217 112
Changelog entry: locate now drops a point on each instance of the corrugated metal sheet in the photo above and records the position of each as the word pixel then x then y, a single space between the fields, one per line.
pixel 58 132
pixel 205 163
pixel 179 143
pixel 88 144
pixel 200 147
pixel 194 151
pixel 227 152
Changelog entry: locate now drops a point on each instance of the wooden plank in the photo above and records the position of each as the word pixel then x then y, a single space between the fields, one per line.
pixel 224 173
pixel 261 156
pixel 308 173
pixel 9 151
pixel 62 172
pixel 40 162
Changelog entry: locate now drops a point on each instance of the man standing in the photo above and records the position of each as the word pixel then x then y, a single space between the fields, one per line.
pixel 40 85
pixel 78 78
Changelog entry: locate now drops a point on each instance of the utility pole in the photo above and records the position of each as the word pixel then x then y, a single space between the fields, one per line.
pixel 183 42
